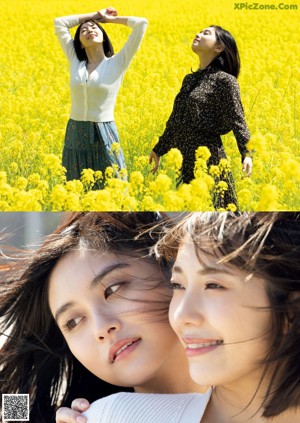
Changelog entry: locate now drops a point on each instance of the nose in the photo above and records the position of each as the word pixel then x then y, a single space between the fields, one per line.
pixel 187 311
pixel 105 326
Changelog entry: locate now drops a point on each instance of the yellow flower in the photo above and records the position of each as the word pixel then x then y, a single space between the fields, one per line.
pixel 14 167
pixel 58 198
pixel 269 199
pixel 231 207
pixel 173 161
pixel 87 177
pixel 98 176
pixel 115 148
pixel 75 186
pixel 3 177
pixel 21 183
pixel 203 153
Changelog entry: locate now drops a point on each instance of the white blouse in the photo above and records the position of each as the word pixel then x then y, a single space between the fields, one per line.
pixel 93 96
pixel 126 407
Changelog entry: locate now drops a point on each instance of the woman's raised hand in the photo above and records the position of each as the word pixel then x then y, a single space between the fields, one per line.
pixel 73 414
pixel 247 166
pixel 106 14
pixel 156 159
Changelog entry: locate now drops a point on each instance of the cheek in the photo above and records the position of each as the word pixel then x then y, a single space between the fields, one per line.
pixel 174 305
pixel 81 347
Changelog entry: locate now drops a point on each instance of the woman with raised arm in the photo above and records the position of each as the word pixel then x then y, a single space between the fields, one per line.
pixel 96 75
pixel 208 106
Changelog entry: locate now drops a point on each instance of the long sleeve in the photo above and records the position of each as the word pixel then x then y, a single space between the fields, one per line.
pixel 234 113
pixel 168 139
pixel 148 408
pixel 125 55
pixel 93 96
pixel 62 30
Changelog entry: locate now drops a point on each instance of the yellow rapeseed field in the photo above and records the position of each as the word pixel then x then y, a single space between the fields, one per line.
pixel 35 104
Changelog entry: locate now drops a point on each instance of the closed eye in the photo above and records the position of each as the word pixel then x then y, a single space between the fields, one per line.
pixel 175 285
pixel 213 285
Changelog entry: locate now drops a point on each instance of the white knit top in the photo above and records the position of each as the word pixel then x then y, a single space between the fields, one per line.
pixel 126 407
pixel 93 96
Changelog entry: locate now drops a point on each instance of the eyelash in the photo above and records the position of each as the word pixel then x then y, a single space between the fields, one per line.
pixel 208 285
pixel 68 326
pixel 175 285
pixel 85 29
pixel 110 288
pixel 216 285
pixel 71 323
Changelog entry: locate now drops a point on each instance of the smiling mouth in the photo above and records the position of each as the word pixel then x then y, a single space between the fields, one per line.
pixel 203 344
pixel 123 348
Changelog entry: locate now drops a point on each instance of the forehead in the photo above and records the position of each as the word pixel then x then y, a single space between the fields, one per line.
pixel 210 29
pixel 87 25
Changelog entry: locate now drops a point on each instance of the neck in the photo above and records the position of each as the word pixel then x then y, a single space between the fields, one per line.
pixel 205 60
pixel 241 403
pixel 173 377
pixel 95 54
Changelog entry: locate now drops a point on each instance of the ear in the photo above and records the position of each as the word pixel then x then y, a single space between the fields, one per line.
pixel 294 298
pixel 219 48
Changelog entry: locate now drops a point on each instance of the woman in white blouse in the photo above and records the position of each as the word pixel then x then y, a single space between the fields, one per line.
pixel 96 76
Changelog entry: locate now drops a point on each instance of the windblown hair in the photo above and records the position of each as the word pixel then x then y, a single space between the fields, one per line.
pixel 80 52
pixel 268 246
pixel 229 59
pixel 35 358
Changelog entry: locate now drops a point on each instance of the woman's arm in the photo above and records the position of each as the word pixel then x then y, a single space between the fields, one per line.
pixel 63 24
pixel 234 112
pixel 138 25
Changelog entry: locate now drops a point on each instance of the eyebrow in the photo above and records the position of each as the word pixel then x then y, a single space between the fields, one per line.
pixel 86 24
pixel 207 270
pixel 106 271
pixel 94 282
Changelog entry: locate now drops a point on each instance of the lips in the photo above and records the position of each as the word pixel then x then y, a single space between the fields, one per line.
pixel 202 344
pixel 92 35
pixel 119 346
pixel 199 346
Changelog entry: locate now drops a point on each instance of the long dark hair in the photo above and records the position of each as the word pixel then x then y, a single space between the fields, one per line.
pixel 80 52
pixel 267 245
pixel 229 59
pixel 35 358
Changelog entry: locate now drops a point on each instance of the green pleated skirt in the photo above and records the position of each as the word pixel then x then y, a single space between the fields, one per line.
pixel 88 145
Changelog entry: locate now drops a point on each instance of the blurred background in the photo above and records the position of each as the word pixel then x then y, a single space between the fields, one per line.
pixel 20 229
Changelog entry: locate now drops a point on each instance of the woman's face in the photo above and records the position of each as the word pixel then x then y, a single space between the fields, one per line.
pixel 206 41
pixel 220 315
pixel 105 304
pixel 90 34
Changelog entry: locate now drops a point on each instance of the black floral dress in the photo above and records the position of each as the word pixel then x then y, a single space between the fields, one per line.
pixel 207 106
